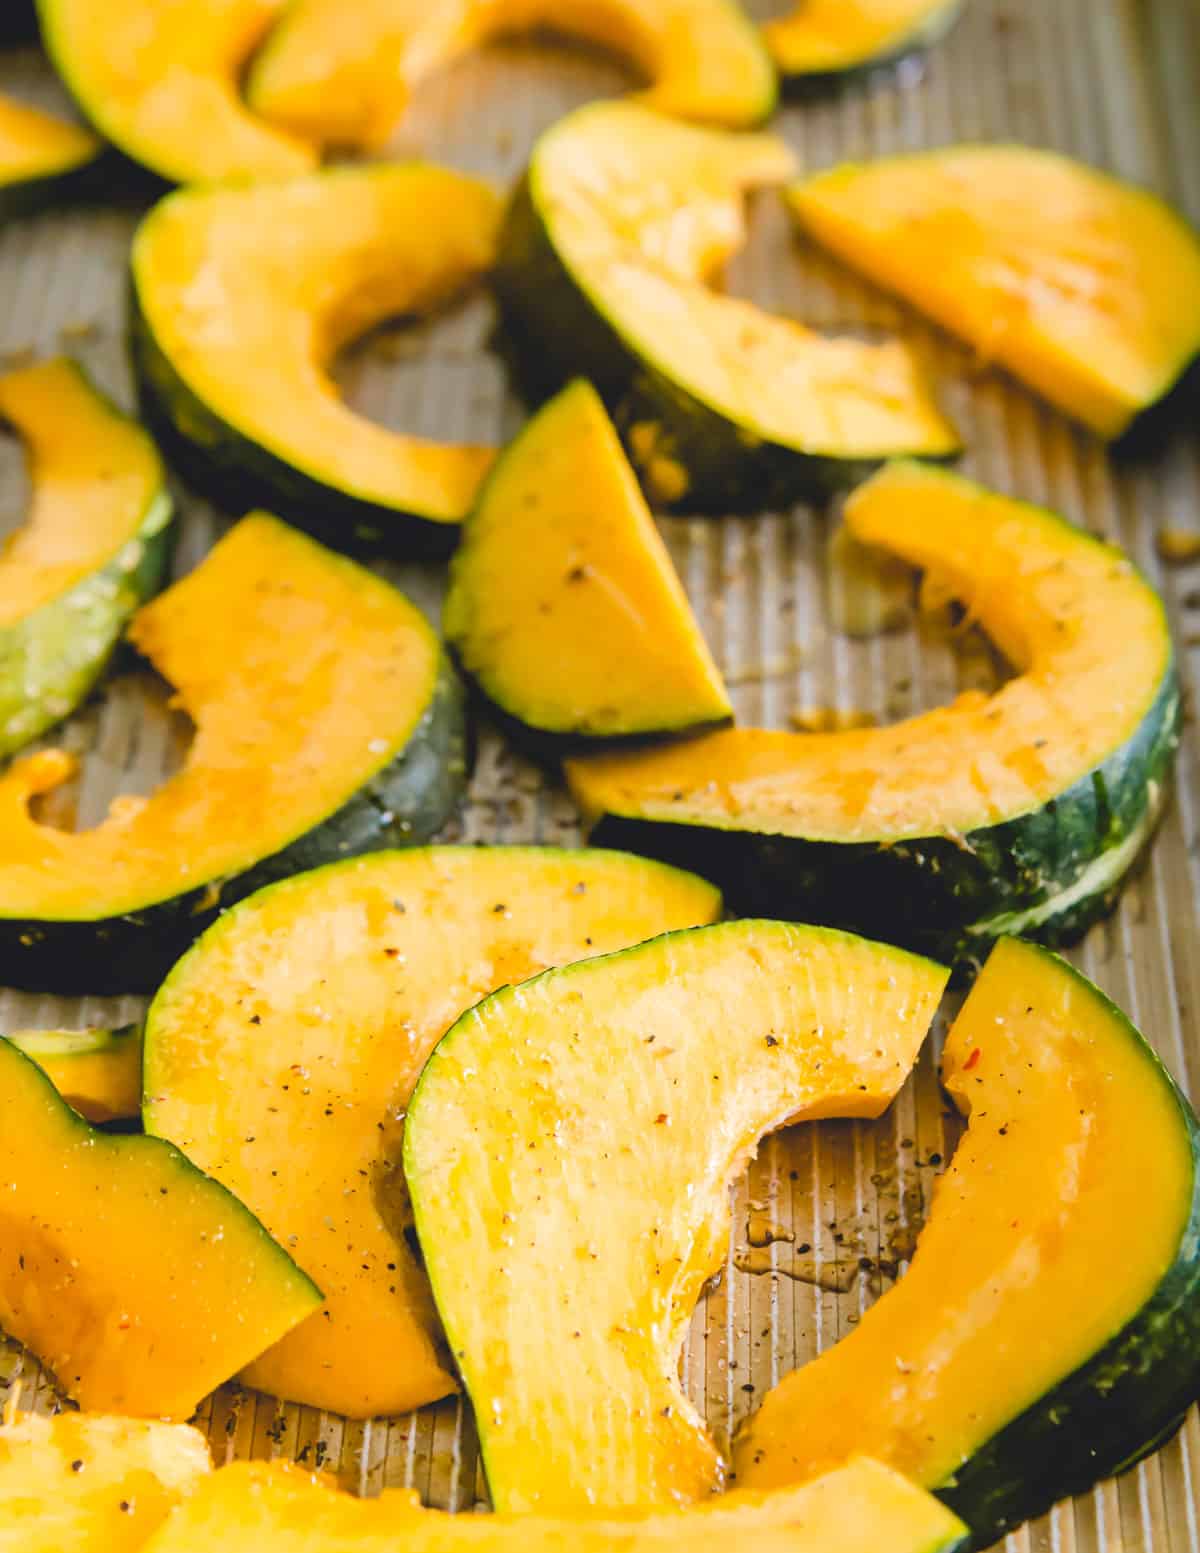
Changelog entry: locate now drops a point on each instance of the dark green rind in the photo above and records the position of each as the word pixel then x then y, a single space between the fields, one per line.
pixel 730 469
pixel 929 33
pixel 938 895
pixel 404 804
pixel 1113 1411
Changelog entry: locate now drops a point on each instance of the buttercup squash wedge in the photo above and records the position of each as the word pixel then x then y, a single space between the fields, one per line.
pixel 97 1072
pixel 43 159
pixel 568 1230
pixel 326 994
pixel 1018 1360
pixel 823 40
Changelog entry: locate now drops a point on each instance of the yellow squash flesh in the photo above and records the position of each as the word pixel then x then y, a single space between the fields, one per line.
pixel 822 37
pixel 97 1072
pixel 34 144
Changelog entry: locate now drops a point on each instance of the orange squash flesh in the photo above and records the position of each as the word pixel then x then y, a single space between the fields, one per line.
pixel 34 144
pixel 97 1072
pixel 829 37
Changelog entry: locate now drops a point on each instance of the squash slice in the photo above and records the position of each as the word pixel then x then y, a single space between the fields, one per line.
pixel 97 1072
pixel 605 268
pixel 328 723
pixel 326 994
pixel 1018 1360
pixel 138 1281
pixel 253 1507
pixel 563 603
pixel 93 549
pixel 1084 287
pixel 159 78
pixel 349 85
pixel 242 298
pixel 1019 812
pixel 88 1483
pixel 822 39
pixel 43 159
pixel 568 1230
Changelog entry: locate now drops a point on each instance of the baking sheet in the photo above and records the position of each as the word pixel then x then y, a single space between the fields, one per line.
pixel 1114 81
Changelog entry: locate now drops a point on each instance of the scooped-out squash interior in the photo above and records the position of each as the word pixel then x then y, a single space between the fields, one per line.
pixel 568 1230
pixel 1086 288
pixel 1045 1333
pixel 97 1072
pixel 837 37
pixel 35 146
pixel 349 85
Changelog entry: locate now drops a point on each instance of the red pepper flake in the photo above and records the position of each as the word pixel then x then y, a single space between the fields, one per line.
pixel 660 1118
pixel 972 1060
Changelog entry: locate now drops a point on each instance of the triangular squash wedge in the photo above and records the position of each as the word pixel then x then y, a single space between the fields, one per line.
pixel 94 546
pixel 326 994
pixel 243 295
pixel 253 1507
pixel 1086 288
pixel 569 1229
pixel 89 1483
pixel 160 79
pixel 139 1281
pixel 823 39
pixel 350 85
pixel 328 722
pixel 1018 812
pixel 43 159
pixel 606 268
pixel 563 604
pixel 1019 1359
pixel 98 1072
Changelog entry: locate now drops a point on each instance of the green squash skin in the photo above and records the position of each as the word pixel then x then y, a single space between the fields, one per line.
pixel 729 468
pixel 929 33
pixel 404 804
pixel 940 896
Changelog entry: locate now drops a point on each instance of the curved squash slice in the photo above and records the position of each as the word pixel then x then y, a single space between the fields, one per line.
pixel 327 723
pixel 350 85
pixel 253 1507
pixel 838 38
pixel 1018 1360
pixel 1084 287
pixel 605 266
pixel 159 78
pixel 563 603
pixel 1019 812
pixel 94 547
pixel 568 1230
pixel 42 158
pixel 244 295
pixel 93 1484
pixel 97 1072
pixel 326 994
pixel 139 1281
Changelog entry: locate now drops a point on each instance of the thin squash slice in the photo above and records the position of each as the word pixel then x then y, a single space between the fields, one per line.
pixel 160 80
pixel 606 264
pixel 568 1230
pixel 43 159
pixel 139 1281
pixel 563 604
pixel 836 39
pixel 89 1483
pixel 1019 1360
pixel 327 723
pixel 98 1072
pixel 1017 812
pixel 93 548
pixel 1084 287
pixel 326 994
pixel 242 298
pixel 350 85
pixel 255 1507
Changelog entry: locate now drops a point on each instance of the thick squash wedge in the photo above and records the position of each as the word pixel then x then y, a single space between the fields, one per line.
pixel 97 1072
pixel 253 1507
pixel 835 39
pixel 242 298
pixel 88 1483
pixel 160 80
pixel 569 1230
pixel 563 604
pixel 137 1280
pixel 326 994
pixel 43 159
pixel 1019 812
pixel 1084 287
pixel 327 723
pixel 605 268
pixel 349 85
pixel 94 546
pixel 1018 1360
